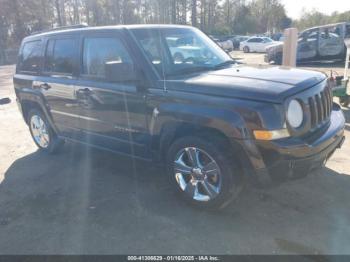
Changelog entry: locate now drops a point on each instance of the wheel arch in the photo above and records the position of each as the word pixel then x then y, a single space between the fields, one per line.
pixel 173 131
pixel 32 100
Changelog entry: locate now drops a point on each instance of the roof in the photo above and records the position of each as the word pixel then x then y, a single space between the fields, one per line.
pixel 325 26
pixel 81 28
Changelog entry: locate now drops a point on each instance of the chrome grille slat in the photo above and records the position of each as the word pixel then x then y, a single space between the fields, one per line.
pixel 330 100
pixel 325 93
pixel 324 105
pixel 313 112
pixel 320 106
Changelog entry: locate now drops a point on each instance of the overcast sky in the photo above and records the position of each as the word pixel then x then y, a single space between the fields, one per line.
pixel 294 7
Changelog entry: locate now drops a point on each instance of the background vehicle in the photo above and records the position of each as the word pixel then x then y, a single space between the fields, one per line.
pixel 210 122
pixel 237 40
pixel 341 84
pixel 224 42
pixel 183 49
pixel 315 44
pixel 277 36
pixel 256 44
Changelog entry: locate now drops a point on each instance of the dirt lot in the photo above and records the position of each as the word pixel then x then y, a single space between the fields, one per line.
pixel 91 202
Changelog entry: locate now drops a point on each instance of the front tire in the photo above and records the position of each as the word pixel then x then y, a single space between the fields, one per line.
pixel 202 173
pixel 42 133
pixel 278 59
pixel 246 49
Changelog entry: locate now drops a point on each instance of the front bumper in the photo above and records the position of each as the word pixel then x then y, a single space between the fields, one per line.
pixel 289 158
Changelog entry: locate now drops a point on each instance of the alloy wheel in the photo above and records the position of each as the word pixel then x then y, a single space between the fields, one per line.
pixel 197 174
pixel 39 131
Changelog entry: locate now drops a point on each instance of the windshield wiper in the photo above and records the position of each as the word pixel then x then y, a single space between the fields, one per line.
pixel 202 68
pixel 190 70
pixel 223 64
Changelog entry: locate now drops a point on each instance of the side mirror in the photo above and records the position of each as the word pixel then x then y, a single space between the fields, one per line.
pixel 120 72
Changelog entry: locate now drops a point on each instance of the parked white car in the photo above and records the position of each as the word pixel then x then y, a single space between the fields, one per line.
pixel 185 53
pixel 183 49
pixel 256 44
pixel 227 45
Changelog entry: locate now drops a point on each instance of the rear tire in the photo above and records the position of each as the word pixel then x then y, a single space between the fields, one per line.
pixel 212 183
pixel 42 133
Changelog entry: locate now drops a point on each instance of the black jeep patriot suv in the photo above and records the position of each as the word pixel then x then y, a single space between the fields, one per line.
pixel 169 93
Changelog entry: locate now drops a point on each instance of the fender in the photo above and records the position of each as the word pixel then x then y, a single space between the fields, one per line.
pixel 226 121
pixel 34 96
pixel 170 117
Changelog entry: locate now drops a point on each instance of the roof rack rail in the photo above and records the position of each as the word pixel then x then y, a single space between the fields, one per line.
pixel 61 28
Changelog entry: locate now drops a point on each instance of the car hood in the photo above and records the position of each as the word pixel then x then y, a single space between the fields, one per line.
pixel 262 83
pixel 275 46
pixel 276 43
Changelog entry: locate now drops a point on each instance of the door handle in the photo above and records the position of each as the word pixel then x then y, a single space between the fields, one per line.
pixel 83 94
pixel 84 91
pixel 45 86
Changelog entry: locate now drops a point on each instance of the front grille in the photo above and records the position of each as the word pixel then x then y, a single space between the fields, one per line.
pixel 320 107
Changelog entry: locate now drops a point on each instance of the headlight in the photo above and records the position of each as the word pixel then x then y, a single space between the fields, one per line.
pixel 295 115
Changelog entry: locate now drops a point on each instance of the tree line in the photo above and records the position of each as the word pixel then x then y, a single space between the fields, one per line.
pixel 315 18
pixel 19 18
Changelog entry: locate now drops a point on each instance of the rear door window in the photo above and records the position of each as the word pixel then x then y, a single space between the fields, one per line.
pixel 30 57
pixel 61 56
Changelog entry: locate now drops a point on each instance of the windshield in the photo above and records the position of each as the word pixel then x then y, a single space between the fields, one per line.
pixel 268 40
pixel 174 51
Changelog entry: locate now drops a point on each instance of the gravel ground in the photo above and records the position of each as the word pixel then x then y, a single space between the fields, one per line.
pixel 84 201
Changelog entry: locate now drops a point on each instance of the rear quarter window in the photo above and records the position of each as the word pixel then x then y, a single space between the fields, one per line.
pixel 61 56
pixel 30 57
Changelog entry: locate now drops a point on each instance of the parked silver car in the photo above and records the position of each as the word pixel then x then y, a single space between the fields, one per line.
pixel 317 43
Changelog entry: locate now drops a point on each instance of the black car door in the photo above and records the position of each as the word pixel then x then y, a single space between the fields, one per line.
pixel 57 82
pixel 112 108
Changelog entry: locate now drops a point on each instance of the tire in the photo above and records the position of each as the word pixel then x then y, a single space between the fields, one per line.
pixel 278 60
pixel 224 184
pixel 44 137
pixel 246 49
pixel 344 101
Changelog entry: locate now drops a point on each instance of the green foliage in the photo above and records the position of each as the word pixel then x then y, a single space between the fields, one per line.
pixel 315 18
pixel 19 18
